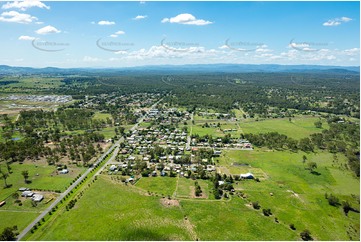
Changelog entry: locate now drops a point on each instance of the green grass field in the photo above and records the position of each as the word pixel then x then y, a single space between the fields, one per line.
pixel 298 128
pixel 14 218
pixel 233 221
pixel 197 129
pixel 32 83
pixel 108 132
pixel 104 116
pixel 285 174
pixel 159 185
pixel 117 213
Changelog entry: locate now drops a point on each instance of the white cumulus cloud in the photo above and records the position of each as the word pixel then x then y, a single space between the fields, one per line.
pixel 24 5
pixel 16 17
pixel 105 22
pixel 337 21
pixel 48 30
pixel 139 17
pixel 26 37
pixel 116 34
pixel 186 18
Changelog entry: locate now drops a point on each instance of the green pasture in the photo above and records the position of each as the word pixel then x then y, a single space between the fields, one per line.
pixel 298 128
pixel 286 176
pixel 117 213
pixel 14 218
pixel 108 132
pixel 104 116
pixel 232 220
pixel 158 185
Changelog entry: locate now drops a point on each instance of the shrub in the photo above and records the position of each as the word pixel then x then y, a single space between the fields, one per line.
pixel 346 207
pixel 333 200
pixel 266 212
pixel 256 205
pixel 306 235
pixel 292 226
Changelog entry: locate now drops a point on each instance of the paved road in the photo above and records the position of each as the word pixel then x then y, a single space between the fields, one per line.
pixel 62 195
pixel 109 161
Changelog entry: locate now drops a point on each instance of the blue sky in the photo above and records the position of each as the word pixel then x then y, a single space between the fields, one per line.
pixel 121 34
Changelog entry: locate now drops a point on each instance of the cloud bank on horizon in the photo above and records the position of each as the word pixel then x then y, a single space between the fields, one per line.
pixel 118 34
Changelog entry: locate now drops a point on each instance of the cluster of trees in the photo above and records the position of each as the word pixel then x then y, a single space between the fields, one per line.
pixel 219 190
pixel 275 140
pixel 64 118
pixel 198 189
pixel 210 139
pixel 9 234
pixel 343 138
pixel 202 154
pixel 335 201
pixel 77 147
pixel 17 151
pixel 80 147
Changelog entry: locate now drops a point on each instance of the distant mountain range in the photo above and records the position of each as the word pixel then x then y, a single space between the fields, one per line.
pixel 198 68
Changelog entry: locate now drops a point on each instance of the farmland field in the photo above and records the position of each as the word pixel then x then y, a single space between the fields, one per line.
pixel 299 127
pixel 159 185
pixel 117 213
pixel 15 218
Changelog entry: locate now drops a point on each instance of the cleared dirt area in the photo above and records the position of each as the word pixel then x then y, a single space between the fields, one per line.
pixel 169 202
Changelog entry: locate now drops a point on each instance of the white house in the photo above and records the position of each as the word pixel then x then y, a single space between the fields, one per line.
pixel 37 197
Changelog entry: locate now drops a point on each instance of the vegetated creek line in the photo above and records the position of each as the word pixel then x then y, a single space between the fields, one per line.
pixel 71 187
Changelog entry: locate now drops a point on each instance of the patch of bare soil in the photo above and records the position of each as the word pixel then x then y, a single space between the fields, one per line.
pixel 169 202
pixel 249 205
pixel 295 195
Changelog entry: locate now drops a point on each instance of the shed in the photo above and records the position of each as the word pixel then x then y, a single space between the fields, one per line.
pixel 37 197
pixel 247 176
pixel 27 194
pixel 64 171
